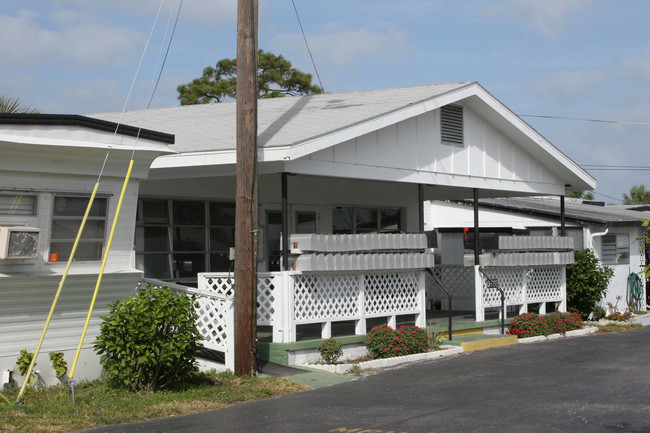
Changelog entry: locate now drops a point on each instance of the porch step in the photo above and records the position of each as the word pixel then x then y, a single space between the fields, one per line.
pixel 473 342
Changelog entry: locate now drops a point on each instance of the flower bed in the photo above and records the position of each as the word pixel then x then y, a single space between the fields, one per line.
pixel 532 325
pixel 373 364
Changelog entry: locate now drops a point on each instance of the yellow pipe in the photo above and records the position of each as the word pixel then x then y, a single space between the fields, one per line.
pixel 101 271
pixel 58 291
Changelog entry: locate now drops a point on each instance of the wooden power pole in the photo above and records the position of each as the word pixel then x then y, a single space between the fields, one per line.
pixel 246 213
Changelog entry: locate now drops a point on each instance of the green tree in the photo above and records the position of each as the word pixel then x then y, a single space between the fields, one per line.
pixel 13 105
pixel 275 78
pixel 579 194
pixel 638 195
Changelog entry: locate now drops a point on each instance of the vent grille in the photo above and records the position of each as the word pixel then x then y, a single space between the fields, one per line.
pixel 451 124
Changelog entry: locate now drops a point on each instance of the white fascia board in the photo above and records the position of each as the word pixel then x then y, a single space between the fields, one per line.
pixel 308 147
pixel 354 171
pixel 195 159
pixel 119 144
pixel 535 136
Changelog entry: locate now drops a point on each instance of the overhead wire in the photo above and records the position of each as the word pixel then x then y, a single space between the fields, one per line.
pixel 307 45
pixel 622 122
pixel 87 212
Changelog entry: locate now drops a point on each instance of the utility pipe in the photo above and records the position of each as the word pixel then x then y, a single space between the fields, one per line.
pixel 101 271
pixel 58 291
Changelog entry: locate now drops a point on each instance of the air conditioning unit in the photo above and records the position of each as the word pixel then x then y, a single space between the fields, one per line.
pixel 19 242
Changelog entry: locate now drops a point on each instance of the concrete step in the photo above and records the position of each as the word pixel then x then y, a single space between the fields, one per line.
pixel 475 342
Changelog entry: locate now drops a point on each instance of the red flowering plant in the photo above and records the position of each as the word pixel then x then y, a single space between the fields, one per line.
pixel 330 350
pixel 619 316
pixel 532 325
pixel 386 342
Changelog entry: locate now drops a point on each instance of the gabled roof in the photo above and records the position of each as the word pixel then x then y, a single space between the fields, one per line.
pixel 282 122
pixel 575 210
pixel 291 128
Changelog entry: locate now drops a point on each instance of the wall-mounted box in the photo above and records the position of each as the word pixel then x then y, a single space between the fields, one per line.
pixel 18 242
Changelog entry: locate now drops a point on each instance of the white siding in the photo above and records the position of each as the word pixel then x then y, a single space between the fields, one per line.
pixel 26 302
pixel 411 151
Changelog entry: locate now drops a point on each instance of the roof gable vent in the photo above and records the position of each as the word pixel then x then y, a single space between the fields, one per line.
pixel 451 125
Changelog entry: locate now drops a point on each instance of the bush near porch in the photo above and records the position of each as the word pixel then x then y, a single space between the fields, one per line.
pixel 586 282
pixel 532 325
pixel 386 342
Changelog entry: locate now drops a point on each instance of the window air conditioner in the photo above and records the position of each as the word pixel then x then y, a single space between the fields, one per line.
pixel 19 242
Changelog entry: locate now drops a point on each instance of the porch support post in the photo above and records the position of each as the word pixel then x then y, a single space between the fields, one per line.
pixel 478 295
pixel 285 222
pixel 562 217
pixel 421 207
pixel 476 230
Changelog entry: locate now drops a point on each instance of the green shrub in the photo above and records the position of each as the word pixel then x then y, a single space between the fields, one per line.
pixel 599 312
pixel 23 362
pixel 563 322
pixel 149 340
pixel 532 325
pixel 586 282
pixel 330 350
pixel 386 342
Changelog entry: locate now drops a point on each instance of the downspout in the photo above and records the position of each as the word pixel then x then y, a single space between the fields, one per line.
pixel 593 235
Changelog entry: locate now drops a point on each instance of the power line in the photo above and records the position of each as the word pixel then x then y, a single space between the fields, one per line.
pixel 307 45
pixel 622 122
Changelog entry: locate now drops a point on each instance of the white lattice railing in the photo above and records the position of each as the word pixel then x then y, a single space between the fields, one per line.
pixel 288 299
pixel 522 286
pixel 214 300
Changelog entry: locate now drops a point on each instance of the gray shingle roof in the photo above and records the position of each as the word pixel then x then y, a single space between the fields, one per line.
pixel 281 121
pixel 574 209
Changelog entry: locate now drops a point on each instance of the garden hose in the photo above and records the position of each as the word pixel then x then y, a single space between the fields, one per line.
pixel 634 291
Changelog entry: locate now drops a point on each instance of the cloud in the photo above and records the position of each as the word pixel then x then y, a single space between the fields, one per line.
pixel 568 85
pixel 211 13
pixel 383 42
pixel 636 69
pixel 89 45
pixel 548 17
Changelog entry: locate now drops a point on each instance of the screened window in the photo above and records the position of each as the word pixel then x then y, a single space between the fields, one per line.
pixel 616 249
pixel 67 216
pixel 451 125
pixel 351 220
pixel 17 204
pixel 176 239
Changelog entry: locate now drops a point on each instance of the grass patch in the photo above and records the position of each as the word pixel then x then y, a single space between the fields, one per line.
pixel 97 404
pixel 618 327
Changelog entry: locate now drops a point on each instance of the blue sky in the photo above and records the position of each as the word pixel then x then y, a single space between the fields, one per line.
pixel 566 58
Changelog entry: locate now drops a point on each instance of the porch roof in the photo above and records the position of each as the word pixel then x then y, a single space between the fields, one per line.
pixel 575 210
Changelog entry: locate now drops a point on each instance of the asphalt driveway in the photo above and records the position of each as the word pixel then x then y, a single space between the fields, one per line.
pixel 597 383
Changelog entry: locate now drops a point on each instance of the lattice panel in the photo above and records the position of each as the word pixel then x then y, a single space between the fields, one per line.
pixel 459 280
pixel 510 280
pixel 221 285
pixel 326 296
pixel 265 300
pixel 212 323
pixel 544 284
pixel 391 293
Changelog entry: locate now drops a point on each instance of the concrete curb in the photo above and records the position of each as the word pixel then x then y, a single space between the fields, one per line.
pixel 443 352
pixel 569 334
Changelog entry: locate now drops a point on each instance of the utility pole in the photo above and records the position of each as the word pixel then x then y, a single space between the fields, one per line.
pixel 246 212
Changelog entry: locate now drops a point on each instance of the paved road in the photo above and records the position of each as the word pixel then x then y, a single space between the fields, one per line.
pixel 598 383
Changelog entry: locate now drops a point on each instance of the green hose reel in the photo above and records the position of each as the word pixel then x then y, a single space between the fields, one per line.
pixel 635 291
